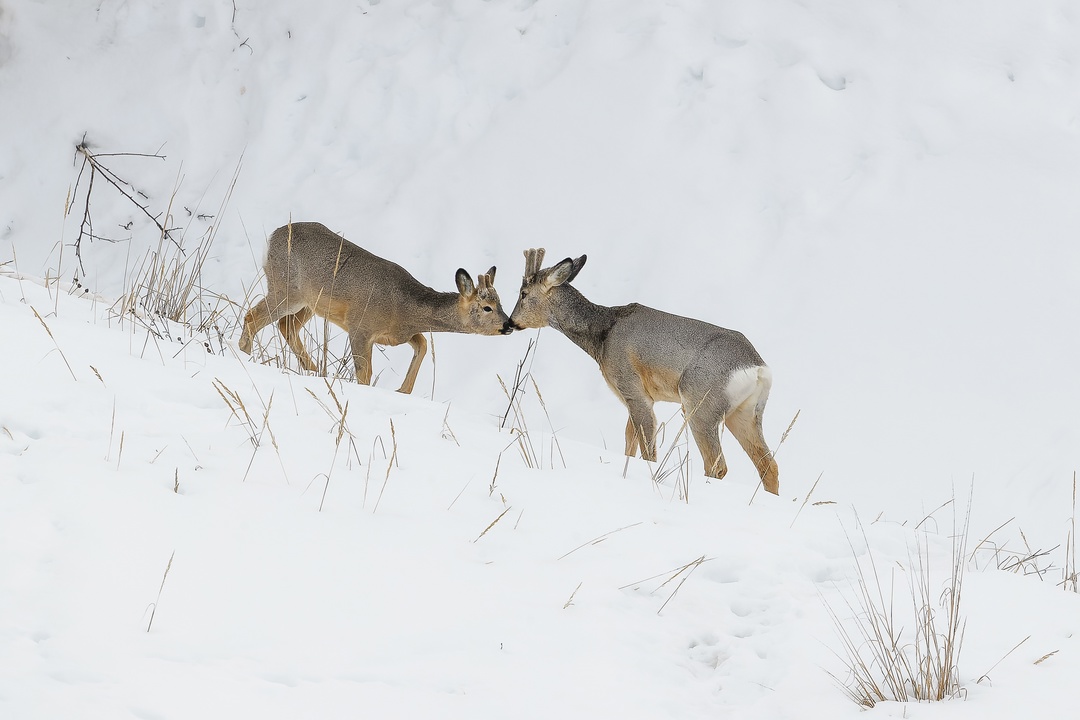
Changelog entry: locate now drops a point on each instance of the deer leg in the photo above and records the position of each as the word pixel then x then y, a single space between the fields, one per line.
pixel 419 346
pixel 256 319
pixel 631 438
pixel 706 430
pixel 643 420
pixel 289 326
pixel 361 351
pixel 263 313
pixel 745 424
pixel 641 426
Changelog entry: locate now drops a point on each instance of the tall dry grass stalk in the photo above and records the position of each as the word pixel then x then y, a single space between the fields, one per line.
pixel 389 466
pixel 167 286
pixel 55 344
pixel 154 605
pixel 519 383
pixel 675 462
pixel 254 431
pixel 492 523
pixel 551 427
pixel 519 426
pixel 1069 581
pixel 598 539
pixel 893 655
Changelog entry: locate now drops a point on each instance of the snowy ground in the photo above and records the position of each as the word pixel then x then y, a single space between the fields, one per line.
pixel 882 198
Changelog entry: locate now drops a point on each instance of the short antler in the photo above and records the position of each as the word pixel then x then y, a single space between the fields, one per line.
pixel 533 259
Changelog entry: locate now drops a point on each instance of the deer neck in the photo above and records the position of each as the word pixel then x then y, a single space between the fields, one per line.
pixel 440 312
pixel 585 323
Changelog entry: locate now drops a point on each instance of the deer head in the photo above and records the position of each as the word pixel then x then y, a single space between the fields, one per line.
pixel 479 306
pixel 533 308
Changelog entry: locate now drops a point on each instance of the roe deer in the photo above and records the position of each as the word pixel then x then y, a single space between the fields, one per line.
pixel 311 270
pixel 647 356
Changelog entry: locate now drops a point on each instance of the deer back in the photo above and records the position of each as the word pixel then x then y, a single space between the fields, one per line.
pixel 309 260
pixel 674 356
pixel 352 287
pixel 633 340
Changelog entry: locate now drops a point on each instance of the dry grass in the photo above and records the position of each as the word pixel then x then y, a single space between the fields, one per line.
pixel 893 653
pixel 570 600
pixel 256 432
pixel 154 605
pixel 597 540
pixel 389 466
pixel 675 463
pixel 55 344
pixel 514 416
pixel 1020 557
pixel 166 291
pixel 492 523
pixel 682 573
pixel 1069 579
pixel 519 427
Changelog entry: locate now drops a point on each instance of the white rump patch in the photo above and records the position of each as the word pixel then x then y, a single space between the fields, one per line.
pixel 747 384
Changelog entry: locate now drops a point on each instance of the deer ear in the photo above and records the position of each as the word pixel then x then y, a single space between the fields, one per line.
pixel 464 283
pixel 491 275
pixel 578 264
pixel 560 274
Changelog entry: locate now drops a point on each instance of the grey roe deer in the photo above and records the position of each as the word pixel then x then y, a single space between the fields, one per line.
pixel 311 270
pixel 647 356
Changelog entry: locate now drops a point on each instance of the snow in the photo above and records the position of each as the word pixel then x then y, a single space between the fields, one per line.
pixel 880 196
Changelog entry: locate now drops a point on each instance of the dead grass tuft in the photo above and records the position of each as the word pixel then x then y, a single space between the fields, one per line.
pixel 894 655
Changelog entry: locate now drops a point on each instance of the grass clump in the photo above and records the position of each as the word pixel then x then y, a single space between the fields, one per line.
pixel 903 644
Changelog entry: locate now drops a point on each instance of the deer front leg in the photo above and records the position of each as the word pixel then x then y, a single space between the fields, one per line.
pixel 641 426
pixel 631 438
pixel 361 346
pixel 419 346
pixel 643 421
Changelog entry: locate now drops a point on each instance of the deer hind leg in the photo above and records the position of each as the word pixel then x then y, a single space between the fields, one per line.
pixel 419 345
pixel 706 430
pixel 263 313
pixel 290 329
pixel 258 317
pixel 744 422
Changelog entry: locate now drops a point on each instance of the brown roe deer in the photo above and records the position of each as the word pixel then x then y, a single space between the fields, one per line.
pixel 648 356
pixel 311 270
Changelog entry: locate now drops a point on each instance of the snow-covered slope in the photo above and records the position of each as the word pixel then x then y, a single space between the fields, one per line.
pixel 882 198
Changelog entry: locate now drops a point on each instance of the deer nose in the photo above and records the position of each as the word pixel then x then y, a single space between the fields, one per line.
pixel 508 327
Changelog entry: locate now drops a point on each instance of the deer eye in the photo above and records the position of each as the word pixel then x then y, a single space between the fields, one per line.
pixel 487 308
